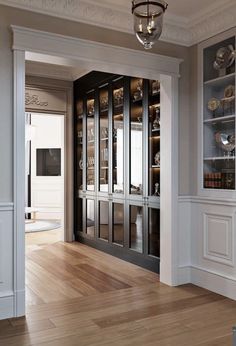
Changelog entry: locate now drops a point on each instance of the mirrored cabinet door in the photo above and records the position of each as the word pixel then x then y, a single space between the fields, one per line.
pixel 90 217
pixel 103 139
pixel 103 232
pixel 136 136
pixel 118 224
pixel 154 135
pixel 154 232
pixel 219 116
pixel 79 143
pixel 118 137
pixel 90 147
pixel 136 221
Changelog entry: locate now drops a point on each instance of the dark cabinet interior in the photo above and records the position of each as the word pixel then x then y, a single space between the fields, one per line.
pixel 117 166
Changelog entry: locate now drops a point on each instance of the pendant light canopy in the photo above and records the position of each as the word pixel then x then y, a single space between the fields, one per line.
pixel 148 20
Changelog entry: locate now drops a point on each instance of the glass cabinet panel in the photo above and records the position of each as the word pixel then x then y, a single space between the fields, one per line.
pixel 136 136
pixel 103 140
pixel 154 138
pixel 154 232
pixel 136 228
pixel 90 217
pixel 104 220
pixel 90 157
pixel 79 215
pixel 118 223
pixel 118 137
pixel 219 116
pixel 79 146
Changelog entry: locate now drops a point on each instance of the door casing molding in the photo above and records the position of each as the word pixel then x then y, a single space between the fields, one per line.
pixel 112 59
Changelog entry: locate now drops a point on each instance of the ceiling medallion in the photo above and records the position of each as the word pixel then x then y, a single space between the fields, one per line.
pixel 148 20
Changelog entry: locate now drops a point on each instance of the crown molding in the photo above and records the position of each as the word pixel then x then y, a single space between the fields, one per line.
pixel 179 30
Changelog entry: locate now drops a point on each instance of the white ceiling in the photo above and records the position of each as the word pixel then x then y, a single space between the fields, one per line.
pixel 190 8
pixel 186 22
pixel 180 8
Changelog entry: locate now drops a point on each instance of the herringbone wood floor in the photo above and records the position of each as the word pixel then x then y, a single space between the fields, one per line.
pixel 78 296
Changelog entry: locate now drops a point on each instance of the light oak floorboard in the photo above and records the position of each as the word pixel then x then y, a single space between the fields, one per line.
pixel 79 296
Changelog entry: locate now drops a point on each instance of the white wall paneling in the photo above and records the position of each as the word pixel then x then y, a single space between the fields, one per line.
pixel 184 240
pixel 208 224
pixel 218 238
pixel 6 256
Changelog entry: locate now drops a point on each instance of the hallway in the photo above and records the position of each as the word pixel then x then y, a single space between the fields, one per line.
pixel 77 295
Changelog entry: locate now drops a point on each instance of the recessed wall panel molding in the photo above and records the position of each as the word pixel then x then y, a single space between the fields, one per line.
pixel 218 238
pixel 1 251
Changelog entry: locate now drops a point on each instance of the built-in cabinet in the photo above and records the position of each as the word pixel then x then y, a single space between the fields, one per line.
pixel 117 166
pixel 219 115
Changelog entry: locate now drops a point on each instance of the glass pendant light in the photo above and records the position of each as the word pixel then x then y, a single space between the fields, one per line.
pixel 148 20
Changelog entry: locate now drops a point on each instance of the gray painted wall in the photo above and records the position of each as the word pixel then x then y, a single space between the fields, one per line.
pixel 10 16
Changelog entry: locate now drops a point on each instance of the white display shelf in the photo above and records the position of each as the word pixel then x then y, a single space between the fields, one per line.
pixel 220 80
pixel 226 118
pixel 215 158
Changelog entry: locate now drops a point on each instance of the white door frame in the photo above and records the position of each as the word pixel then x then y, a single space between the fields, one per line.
pixel 113 59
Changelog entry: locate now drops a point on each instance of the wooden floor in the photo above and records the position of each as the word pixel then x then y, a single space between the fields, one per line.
pixel 78 296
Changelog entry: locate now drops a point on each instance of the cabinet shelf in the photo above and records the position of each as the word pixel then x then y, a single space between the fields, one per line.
pixel 219 80
pixel 104 110
pixel 137 100
pixel 226 118
pixel 120 105
pixel 155 93
pixel 218 158
pixel 156 105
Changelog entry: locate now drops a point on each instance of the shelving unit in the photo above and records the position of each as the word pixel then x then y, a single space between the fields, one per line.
pixel 218 118
pixel 118 194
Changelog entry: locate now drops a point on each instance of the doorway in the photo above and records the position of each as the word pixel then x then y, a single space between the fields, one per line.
pixel 44 183
pixel 109 59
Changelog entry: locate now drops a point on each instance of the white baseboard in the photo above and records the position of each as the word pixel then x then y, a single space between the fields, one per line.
pixel 19 303
pixel 184 275
pixel 214 282
pixel 6 305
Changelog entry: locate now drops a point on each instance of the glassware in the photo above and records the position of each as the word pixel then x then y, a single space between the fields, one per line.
pixel 138 94
pixel 157 192
pixel 156 122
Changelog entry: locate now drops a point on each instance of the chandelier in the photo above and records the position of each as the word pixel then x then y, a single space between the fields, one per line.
pixel 148 20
